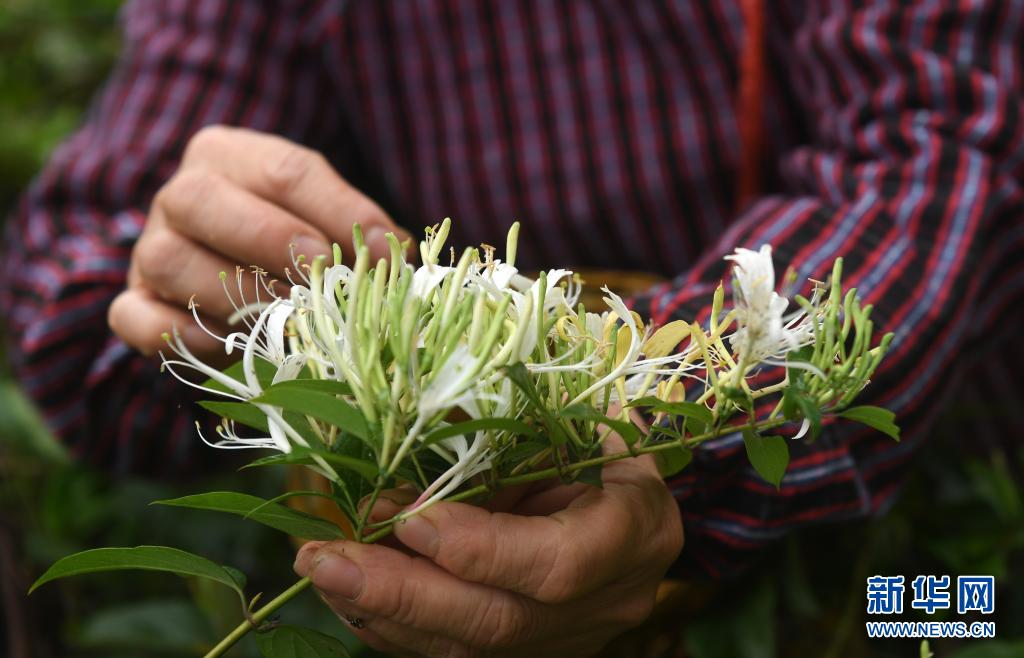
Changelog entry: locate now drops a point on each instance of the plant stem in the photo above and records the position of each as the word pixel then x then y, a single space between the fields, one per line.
pixel 258 617
pixel 544 474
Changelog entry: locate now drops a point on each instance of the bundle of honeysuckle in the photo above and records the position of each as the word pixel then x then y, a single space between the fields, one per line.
pixel 463 376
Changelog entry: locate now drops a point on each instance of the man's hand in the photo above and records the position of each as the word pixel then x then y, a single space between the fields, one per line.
pixel 239 198
pixel 570 568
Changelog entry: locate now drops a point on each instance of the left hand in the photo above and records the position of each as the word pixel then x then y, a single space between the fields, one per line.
pixel 560 573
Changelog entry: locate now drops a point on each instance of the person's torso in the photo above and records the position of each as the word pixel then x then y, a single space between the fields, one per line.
pixel 608 128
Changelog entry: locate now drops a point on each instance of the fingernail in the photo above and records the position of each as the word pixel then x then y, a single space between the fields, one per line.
pixel 310 247
pixel 420 535
pixel 300 557
pixel 337 576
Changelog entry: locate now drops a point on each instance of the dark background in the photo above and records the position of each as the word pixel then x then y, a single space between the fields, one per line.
pixel 962 511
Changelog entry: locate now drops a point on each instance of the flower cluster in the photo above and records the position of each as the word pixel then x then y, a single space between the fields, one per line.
pixel 465 376
pixel 463 368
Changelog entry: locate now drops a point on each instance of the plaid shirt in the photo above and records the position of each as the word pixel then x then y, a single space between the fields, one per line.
pixel 893 137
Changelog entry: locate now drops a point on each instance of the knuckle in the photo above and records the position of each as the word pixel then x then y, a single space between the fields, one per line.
pixel 116 314
pixel 208 139
pixel 400 605
pixel 157 255
pixel 467 553
pixel 186 192
pixel 286 170
pixel 561 581
pixel 503 624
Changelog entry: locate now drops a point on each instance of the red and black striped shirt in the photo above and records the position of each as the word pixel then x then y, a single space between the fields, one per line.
pixel 887 133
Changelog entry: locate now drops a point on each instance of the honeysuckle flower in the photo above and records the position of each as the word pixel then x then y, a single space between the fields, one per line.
pixel 625 361
pixel 373 368
pixel 763 332
pixel 427 279
pixel 452 383
pixel 496 277
pixel 414 344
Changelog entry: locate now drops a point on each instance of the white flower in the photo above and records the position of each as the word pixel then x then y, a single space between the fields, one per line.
pixel 265 341
pixel 427 278
pixel 495 277
pixel 450 385
pixel 763 332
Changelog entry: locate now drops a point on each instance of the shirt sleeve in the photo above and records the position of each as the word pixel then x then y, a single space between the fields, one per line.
pixel 913 177
pixel 184 65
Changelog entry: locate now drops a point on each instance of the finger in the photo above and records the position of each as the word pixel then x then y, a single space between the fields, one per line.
pixel 140 319
pixel 295 178
pixel 409 591
pixel 641 466
pixel 390 637
pixel 217 213
pixel 304 556
pixel 183 272
pixel 388 503
pixel 552 559
pixel 370 637
pixel 550 500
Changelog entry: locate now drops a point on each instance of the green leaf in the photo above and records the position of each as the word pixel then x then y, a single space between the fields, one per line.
pixel 789 408
pixel 648 401
pixel 149 627
pixel 878 418
pixel 23 430
pixel 150 558
pixel 628 431
pixel 511 425
pixel 769 455
pixel 298 642
pixel 691 410
pixel 299 455
pixel 322 406
pixel 240 578
pixel 265 371
pixel 591 475
pixel 520 376
pixel 802 355
pixel 738 396
pixel 700 417
pixel 524 450
pixel 240 412
pixel 269 514
pixel 809 409
pixel 329 386
pixel 673 460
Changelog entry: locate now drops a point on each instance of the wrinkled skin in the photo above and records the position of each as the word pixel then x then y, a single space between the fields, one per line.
pixel 239 197
pixel 559 571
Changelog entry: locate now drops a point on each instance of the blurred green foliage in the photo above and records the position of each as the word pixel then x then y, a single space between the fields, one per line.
pixel 53 55
pixel 960 513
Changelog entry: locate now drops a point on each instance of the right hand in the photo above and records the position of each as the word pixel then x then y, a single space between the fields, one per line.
pixel 239 198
